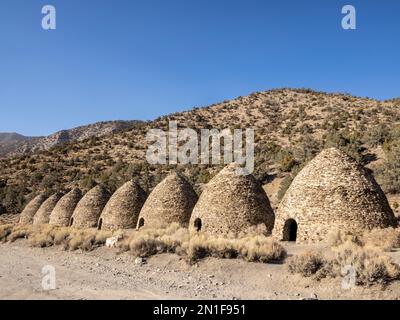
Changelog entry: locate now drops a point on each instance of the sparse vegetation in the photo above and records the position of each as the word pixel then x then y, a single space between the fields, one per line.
pixel 385 239
pixel 371 264
pixel 254 248
pixel 5 231
pixel 338 237
pixel 47 236
pixel 366 256
pixel 306 264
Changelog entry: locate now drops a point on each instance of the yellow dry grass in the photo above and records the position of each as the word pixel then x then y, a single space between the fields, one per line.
pixel 306 264
pixel 371 264
pixel 47 235
pixel 174 239
pixel 386 239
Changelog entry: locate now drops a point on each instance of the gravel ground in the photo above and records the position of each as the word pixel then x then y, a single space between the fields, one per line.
pixel 105 274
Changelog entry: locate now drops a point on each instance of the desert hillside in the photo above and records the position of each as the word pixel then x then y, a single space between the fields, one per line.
pixel 14 144
pixel 291 127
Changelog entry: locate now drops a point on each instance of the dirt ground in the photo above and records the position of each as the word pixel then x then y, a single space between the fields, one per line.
pixel 105 274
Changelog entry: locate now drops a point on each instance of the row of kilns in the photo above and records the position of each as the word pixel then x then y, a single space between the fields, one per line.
pixel 331 192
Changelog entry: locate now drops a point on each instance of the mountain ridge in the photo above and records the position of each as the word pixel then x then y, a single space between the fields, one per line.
pixel 14 144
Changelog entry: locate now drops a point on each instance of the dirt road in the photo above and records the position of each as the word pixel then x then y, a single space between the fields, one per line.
pixel 105 274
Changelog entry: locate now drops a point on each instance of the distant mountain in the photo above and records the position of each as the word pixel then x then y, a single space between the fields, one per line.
pixel 12 137
pixel 12 144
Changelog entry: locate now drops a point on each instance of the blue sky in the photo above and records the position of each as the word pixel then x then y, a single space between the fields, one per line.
pixel 128 59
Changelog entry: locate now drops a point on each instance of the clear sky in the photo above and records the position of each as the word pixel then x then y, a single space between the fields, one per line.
pixel 128 59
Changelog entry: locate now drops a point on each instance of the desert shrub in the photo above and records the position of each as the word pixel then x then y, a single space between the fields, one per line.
pixel 252 245
pixel 27 231
pixel 88 242
pixel 101 236
pixel 371 265
pixel 347 142
pixel 223 249
pixel 386 239
pixel 200 246
pixel 196 249
pixel 173 242
pixel 306 264
pixel 41 240
pixel 307 149
pixel 261 249
pixel 61 235
pixel 18 233
pixel 146 246
pixel 376 136
pixel 5 230
pixel 148 241
pixel 337 237
pixel 123 245
pixel 251 248
pixel 47 235
pixel 389 172
pixel 85 240
pixel 285 160
pixel 75 242
pixel 388 176
pixel 38 236
pixel 14 200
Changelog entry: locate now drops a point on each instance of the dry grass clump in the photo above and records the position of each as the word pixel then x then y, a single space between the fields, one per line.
pixel 261 249
pixel 61 235
pixel 370 264
pixel 38 235
pixel 47 236
pixel 306 264
pixel 80 240
pixel 148 241
pixel 5 231
pixel 386 239
pixel 23 232
pixel 252 249
pixel 337 237
pixel 101 236
pixel 200 246
pixel 145 246
pixel 41 240
pixel 174 239
pixel 86 240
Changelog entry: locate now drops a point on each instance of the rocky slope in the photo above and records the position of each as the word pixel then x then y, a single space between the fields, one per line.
pixel 13 144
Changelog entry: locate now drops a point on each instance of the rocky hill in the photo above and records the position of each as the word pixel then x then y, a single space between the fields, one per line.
pixel 11 137
pixel 13 144
pixel 291 127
